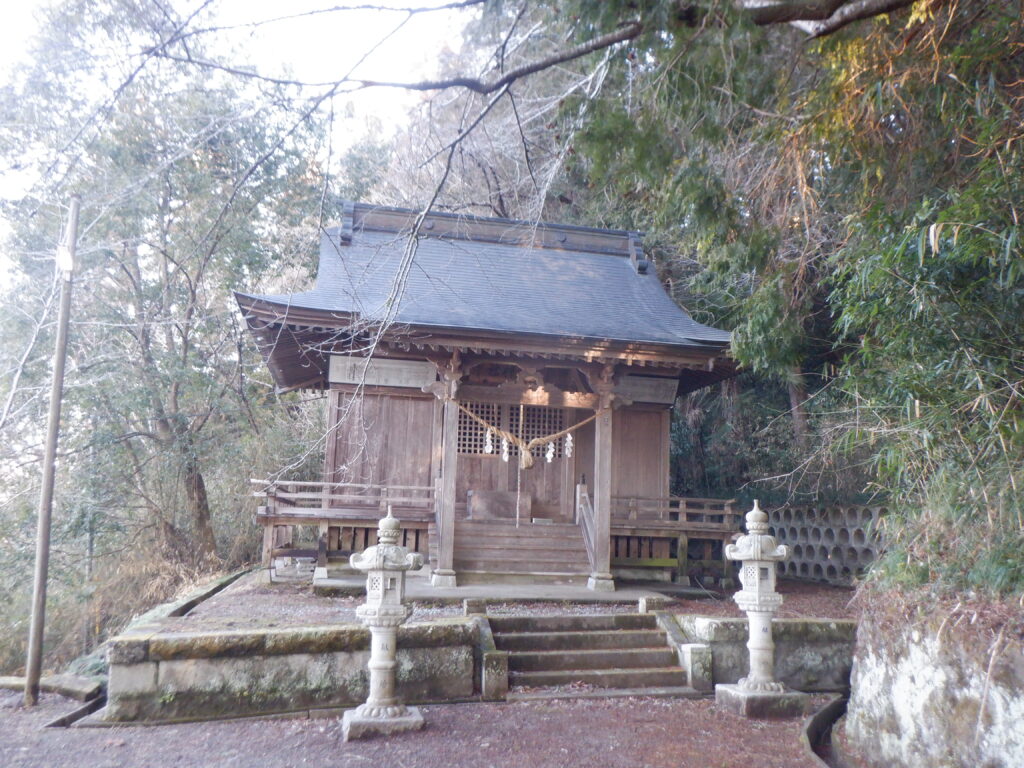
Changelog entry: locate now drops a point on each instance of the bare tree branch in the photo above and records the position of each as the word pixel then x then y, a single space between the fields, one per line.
pixel 626 32
pixel 766 12
pixel 846 14
pixel 23 360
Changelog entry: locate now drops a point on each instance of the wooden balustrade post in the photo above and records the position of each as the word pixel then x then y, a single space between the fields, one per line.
pixel 683 559
pixel 321 552
pixel 581 490
pixel 268 528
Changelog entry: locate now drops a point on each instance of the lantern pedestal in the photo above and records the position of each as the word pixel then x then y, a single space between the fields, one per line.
pixel 759 694
pixel 764 704
pixel 355 725
pixel 385 565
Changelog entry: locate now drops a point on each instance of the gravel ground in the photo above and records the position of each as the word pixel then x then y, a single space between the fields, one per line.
pixel 608 733
pixel 249 603
pixel 631 732
pixel 802 600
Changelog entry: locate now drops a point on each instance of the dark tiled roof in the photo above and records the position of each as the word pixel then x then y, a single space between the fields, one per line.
pixel 465 282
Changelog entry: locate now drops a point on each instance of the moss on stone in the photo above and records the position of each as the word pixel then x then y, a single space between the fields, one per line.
pixel 128 649
pixel 457 630
pixel 205 645
pixel 225 674
pixel 316 640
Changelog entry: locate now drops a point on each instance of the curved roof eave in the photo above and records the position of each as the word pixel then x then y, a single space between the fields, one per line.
pixel 288 310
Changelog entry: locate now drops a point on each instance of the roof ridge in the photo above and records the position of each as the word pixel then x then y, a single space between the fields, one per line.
pixel 461 226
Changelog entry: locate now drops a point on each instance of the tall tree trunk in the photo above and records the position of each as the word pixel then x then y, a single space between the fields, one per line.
pixel 198 505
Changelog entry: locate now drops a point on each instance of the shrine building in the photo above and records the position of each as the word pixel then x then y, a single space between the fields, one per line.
pixel 505 387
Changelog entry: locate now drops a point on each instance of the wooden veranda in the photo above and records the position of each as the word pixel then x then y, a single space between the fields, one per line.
pixel 676 538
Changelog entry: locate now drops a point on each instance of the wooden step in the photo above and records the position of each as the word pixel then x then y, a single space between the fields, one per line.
pixel 523 525
pixel 561 532
pixel 504 537
pixel 489 551
pixel 492 576
pixel 525 557
pixel 501 543
pixel 510 534
pixel 525 565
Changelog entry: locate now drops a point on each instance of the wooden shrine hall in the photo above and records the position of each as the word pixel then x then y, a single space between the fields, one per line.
pixel 505 387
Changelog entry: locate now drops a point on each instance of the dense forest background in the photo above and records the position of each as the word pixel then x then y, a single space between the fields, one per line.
pixel 843 192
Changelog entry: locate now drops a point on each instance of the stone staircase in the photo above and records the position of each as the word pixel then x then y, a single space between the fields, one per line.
pixel 611 654
pixel 488 551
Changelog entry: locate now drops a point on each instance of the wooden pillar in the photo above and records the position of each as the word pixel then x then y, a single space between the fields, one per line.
pixel 268 544
pixel 444 574
pixel 601 577
pixel 320 572
pixel 446 389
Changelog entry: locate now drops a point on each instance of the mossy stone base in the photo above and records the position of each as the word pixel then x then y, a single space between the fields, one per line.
pixel 759 704
pixel 355 726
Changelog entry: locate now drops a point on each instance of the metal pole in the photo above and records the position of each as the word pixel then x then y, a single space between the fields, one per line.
pixel 66 266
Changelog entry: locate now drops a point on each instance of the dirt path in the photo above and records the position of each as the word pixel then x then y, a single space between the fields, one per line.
pixel 611 733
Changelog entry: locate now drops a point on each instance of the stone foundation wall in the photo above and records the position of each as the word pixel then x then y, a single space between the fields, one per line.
pixel 937 697
pixel 159 677
pixel 810 655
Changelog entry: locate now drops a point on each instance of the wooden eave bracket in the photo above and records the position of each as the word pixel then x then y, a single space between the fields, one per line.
pixel 317 382
pixel 348 213
pixel 636 254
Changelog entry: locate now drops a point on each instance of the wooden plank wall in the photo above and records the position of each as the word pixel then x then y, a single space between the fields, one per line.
pixel 640 452
pixel 544 482
pixel 481 472
pixel 380 439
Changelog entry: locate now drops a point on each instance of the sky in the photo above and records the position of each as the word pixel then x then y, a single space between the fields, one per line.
pixel 18 26
pixel 325 46
pixel 309 47
pixel 315 47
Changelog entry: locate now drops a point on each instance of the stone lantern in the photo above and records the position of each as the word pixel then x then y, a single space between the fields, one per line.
pixel 385 565
pixel 759 694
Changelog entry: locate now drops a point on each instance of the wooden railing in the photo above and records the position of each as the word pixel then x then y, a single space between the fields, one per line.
pixel 684 535
pixel 585 520
pixel 346 515
pixel 288 498
pixel 676 513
